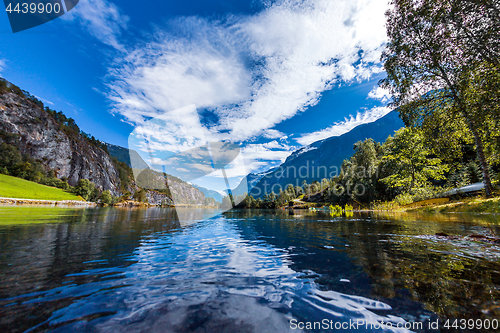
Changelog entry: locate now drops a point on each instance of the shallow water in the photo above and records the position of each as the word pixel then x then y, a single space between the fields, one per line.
pixel 141 270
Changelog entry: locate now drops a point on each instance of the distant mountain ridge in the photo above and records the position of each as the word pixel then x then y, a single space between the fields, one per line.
pixel 321 159
pixel 209 193
pixel 128 156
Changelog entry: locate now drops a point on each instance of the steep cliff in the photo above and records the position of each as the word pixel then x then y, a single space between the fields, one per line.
pixel 68 153
pixel 181 192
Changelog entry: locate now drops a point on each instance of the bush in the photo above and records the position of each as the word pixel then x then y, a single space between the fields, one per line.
pixel 106 197
pixel 420 194
pixel 140 195
pixel 335 209
pixel 404 199
pixel 385 205
pixel 85 188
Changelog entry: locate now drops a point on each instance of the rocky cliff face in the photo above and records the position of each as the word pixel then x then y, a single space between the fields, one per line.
pixel 69 155
pixel 182 192
pixel 157 198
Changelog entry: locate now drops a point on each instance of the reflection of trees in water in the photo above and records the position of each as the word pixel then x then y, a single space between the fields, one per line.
pixel 400 265
pixel 37 258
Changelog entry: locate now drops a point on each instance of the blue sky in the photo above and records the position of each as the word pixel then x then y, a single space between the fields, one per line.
pixel 270 75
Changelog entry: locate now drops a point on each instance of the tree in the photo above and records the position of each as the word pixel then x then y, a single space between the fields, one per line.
pixel 84 188
pixel 359 176
pixel 410 161
pixel 477 27
pixel 106 197
pixel 433 70
pixel 140 195
pixel 9 155
pixel 298 191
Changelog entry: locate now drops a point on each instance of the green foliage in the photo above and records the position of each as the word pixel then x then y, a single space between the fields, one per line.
pixel 358 179
pixel 336 210
pixel 226 203
pixel 467 174
pixel 3 85
pixel 9 156
pixel 125 173
pixel 140 195
pixel 106 198
pixel 404 199
pixel 410 161
pixel 85 188
pixel 441 70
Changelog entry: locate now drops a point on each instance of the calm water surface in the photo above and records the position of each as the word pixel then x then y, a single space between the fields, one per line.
pixel 120 270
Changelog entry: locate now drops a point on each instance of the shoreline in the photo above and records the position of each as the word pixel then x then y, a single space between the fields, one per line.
pixel 76 203
pixel 18 201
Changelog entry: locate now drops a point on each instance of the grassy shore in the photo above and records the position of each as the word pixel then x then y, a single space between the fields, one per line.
pixel 468 205
pixel 12 187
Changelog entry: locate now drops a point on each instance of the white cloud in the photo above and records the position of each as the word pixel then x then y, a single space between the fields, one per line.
pixel 271 151
pixel 2 64
pixel 171 73
pixel 273 134
pixel 102 19
pixel 255 157
pixel 344 126
pixel 44 100
pixel 380 94
pixel 253 72
pixel 175 131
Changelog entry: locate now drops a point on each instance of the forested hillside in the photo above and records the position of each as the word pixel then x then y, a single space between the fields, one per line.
pixel 45 146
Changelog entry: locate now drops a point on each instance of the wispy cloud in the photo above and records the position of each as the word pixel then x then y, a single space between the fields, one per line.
pixel 256 157
pixel 380 94
pixel 44 100
pixel 253 72
pixel 2 64
pixel 345 126
pixel 273 134
pixel 102 19
pixel 170 73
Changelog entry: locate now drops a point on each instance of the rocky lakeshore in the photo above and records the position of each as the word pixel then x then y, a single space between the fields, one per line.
pixel 16 201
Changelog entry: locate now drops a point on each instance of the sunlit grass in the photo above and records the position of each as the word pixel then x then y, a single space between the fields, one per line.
pixel 12 187
pixel 469 205
pixel 28 214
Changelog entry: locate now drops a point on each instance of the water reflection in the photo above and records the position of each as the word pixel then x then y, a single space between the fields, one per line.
pixel 401 256
pixel 108 269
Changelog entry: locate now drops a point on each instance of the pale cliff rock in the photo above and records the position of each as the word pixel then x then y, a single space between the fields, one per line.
pixel 69 155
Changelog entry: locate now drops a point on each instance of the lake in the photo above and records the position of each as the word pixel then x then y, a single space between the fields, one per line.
pixel 143 270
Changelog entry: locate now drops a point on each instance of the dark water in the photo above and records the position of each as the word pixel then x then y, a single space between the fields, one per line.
pixel 119 270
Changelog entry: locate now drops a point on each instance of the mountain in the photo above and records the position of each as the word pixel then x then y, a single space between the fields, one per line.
pixel 321 159
pixel 181 192
pixel 132 158
pixel 251 180
pixel 58 144
pixel 128 156
pixel 209 193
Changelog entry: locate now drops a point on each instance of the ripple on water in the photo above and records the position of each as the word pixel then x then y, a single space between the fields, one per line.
pixel 238 273
pixel 204 278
